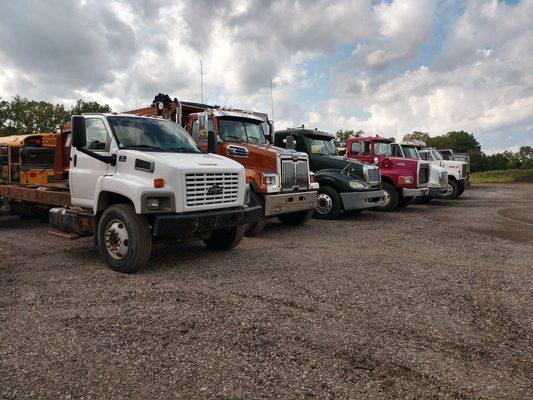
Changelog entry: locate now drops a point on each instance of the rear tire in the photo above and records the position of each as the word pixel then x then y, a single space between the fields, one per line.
pixel 124 238
pixel 296 218
pixel 329 203
pixel 255 228
pixel 453 189
pixel 392 198
pixel 225 239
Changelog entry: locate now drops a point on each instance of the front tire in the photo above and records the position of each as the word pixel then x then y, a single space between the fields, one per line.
pixel 296 218
pixel 391 198
pixel 255 228
pixel 405 201
pixel 124 239
pixel 462 186
pixel 225 239
pixel 329 203
pixel 453 189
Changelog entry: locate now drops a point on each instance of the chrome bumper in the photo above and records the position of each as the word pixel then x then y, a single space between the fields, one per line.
pixel 362 200
pixel 415 192
pixel 277 204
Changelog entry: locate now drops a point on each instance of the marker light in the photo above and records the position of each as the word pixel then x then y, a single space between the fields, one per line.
pixel 159 183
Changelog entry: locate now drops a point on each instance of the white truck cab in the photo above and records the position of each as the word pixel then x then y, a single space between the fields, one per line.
pixel 457 171
pixel 438 176
pixel 133 179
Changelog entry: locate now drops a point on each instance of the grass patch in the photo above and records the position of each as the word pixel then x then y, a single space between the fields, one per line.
pixel 503 176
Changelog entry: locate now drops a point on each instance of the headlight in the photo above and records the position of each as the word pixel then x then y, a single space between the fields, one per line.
pixel 405 179
pixel 271 181
pixel 357 185
pixel 152 204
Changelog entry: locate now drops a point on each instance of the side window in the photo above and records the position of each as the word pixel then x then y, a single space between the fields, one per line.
pixel 300 145
pixel 366 148
pixel 97 137
pixel 355 148
pixel 194 131
pixel 424 155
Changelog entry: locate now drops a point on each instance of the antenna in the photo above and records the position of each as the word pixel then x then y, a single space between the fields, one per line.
pixel 271 100
pixel 202 80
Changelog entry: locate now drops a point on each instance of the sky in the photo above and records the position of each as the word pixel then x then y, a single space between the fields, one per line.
pixel 386 67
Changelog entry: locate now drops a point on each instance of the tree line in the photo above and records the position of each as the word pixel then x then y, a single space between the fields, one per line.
pixel 22 116
pixel 463 142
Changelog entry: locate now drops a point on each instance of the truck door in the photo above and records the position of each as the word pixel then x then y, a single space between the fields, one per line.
pixel 85 170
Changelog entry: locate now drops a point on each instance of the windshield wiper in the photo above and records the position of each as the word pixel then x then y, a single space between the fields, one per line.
pixel 236 138
pixel 184 150
pixel 145 146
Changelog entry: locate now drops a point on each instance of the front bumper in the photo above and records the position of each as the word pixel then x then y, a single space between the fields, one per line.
pixel 362 200
pixel 415 192
pixel 437 192
pixel 277 204
pixel 179 226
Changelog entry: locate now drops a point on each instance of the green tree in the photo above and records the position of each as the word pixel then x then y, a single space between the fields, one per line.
pixel 89 107
pixel 342 135
pixel 462 141
pixel 417 135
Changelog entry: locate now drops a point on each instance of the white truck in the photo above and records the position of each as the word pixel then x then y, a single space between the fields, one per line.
pixel 133 180
pixel 457 171
pixel 438 176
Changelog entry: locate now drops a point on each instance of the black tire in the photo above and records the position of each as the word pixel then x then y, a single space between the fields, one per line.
pixel 225 239
pixel 393 198
pixel 255 228
pixel 425 199
pixel 404 201
pixel 462 186
pixel 329 203
pixel 453 189
pixel 296 218
pixel 116 220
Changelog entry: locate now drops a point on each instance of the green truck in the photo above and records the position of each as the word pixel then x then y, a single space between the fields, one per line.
pixel 345 185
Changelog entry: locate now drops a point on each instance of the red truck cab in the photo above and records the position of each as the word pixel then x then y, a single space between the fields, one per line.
pixel 402 179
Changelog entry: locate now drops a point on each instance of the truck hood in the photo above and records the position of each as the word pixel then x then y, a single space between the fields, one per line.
pixel 266 149
pixel 340 162
pixel 451 164
pixel 183 160
pixel 410 164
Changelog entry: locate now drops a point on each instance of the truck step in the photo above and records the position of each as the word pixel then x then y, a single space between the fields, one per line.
pixel 64 235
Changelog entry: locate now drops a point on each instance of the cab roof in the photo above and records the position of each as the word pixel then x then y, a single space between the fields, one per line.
pixel 306 131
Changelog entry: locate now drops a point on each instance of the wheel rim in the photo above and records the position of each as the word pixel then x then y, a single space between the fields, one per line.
pixel 449 190
pixel 386 199
pixel 324 204
pixel 116 239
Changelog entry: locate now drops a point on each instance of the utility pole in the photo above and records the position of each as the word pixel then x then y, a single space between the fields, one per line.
pixel 271 100
pixel 202 80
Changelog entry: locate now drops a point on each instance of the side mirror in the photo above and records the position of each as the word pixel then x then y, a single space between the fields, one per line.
pixel 203 122
pixel 79 136
pixel 212 142
pixel 291 142
pixel 376 161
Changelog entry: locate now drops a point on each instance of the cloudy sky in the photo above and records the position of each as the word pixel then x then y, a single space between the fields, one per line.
pixel 380 66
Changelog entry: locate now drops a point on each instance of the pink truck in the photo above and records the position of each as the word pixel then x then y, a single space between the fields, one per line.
pixel 402 179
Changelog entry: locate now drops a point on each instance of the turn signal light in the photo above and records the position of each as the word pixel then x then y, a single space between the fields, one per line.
pixel 159 183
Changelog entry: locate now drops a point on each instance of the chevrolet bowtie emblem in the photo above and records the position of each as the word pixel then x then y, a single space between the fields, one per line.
pixel 214 190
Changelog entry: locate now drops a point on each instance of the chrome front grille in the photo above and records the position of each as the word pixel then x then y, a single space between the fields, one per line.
pixel 463 171
pixel 211 188
pixel 423 174
pixel 443 179
pixel 373 175
pixel 294 174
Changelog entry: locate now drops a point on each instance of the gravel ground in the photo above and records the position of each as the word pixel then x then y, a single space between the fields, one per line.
pixel 434 301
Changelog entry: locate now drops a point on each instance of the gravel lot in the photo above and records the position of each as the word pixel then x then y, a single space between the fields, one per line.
pixel 434 301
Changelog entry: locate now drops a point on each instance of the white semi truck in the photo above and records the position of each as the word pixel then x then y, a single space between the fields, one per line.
pixel 133 180
pixel 458 171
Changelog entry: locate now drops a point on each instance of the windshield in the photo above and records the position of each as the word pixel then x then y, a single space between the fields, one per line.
pixel 382 149
pixel 410 152
pixel 241 130
pixel 151 135
pixel 321 145
pixel 436 155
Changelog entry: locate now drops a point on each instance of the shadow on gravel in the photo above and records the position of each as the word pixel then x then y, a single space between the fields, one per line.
pixel 13 222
